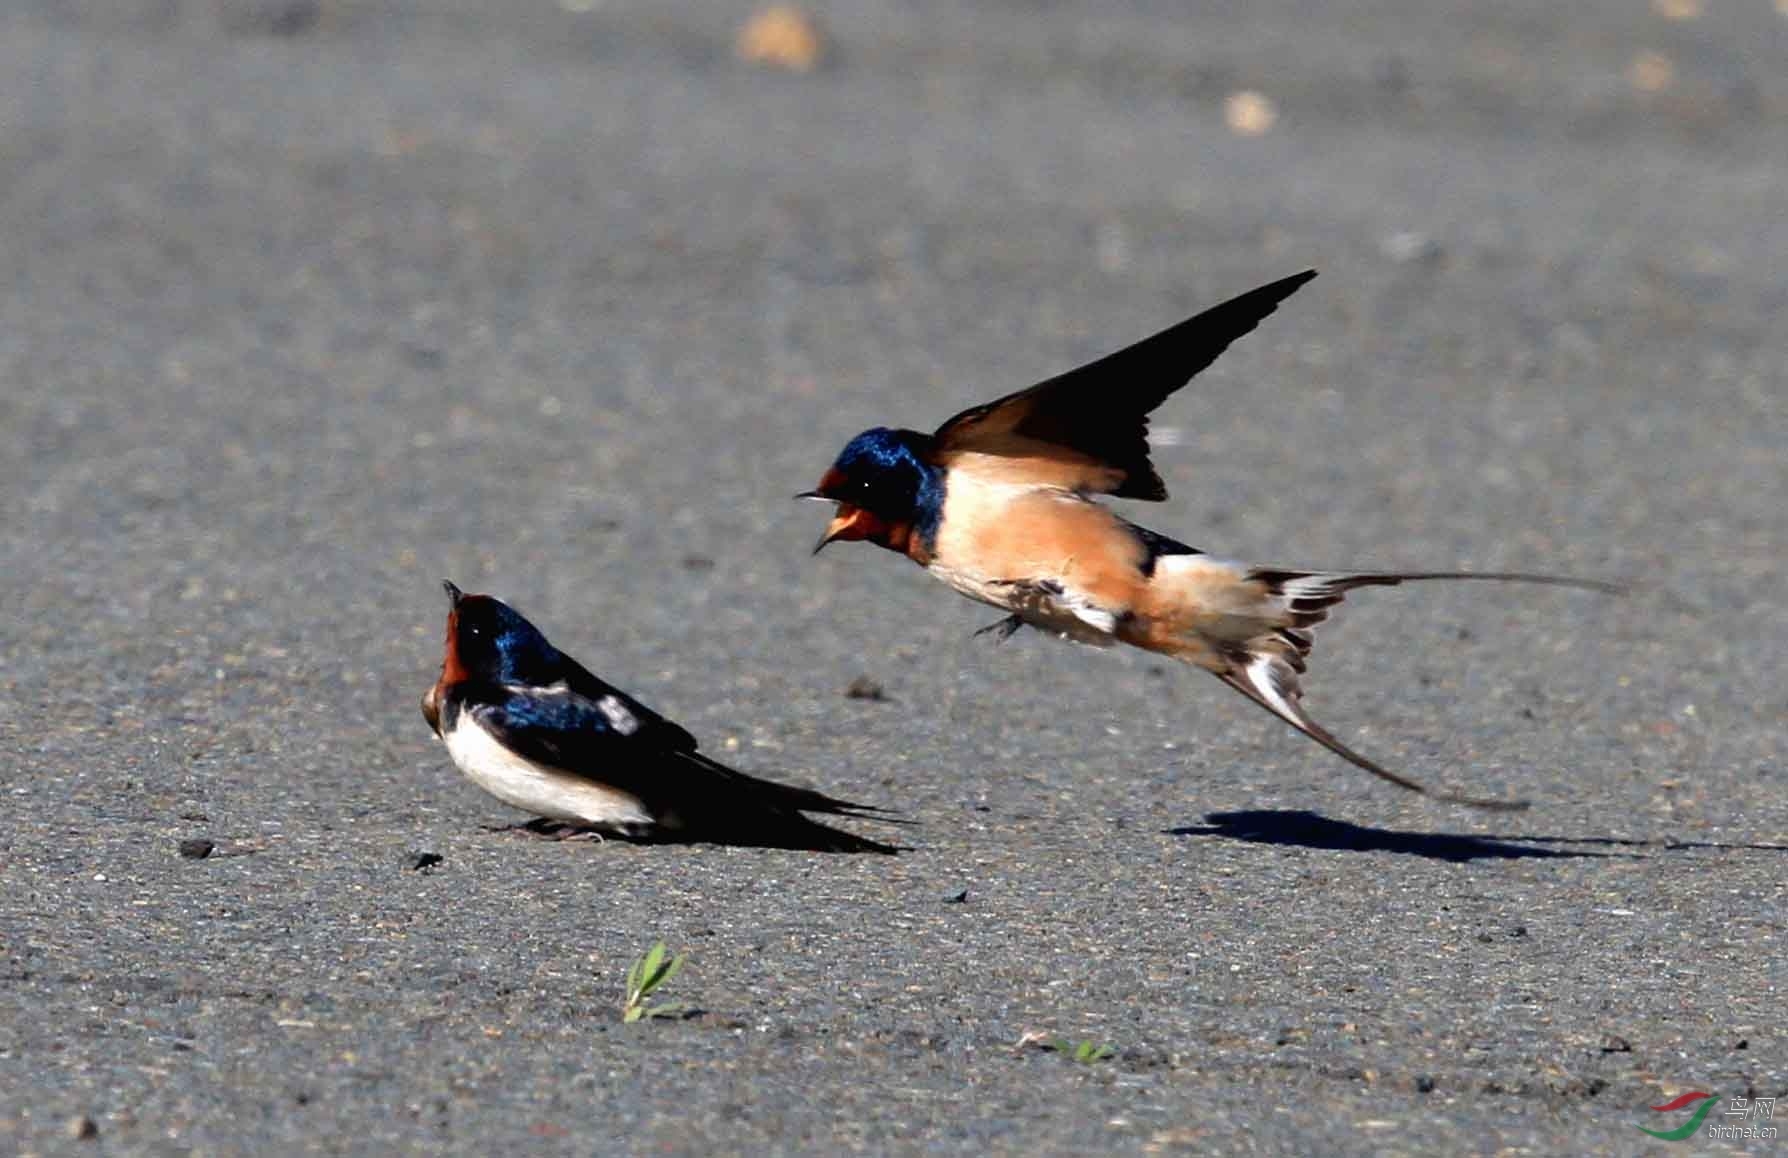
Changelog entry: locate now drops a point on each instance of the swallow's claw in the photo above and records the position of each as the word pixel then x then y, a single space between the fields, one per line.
pixel 1003 629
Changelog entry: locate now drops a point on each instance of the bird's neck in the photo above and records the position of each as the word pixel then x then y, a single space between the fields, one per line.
pixel 916 538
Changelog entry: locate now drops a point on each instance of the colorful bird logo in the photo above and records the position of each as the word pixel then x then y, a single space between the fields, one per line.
pixel 1681 1101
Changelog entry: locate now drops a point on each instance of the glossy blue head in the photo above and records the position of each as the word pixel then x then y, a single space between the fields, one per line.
pixel 489 641
pixel 887 491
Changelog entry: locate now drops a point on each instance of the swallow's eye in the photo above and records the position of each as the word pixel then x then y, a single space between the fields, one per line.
pixel 474 630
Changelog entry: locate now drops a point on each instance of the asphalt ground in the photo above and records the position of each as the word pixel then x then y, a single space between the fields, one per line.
pixel 306 306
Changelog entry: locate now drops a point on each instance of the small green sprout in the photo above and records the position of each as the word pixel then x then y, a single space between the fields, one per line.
pixel 644 977
pixel 1084 1052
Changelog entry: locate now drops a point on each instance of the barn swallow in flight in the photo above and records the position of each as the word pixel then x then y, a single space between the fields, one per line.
pixel 999 503
pixel 529 725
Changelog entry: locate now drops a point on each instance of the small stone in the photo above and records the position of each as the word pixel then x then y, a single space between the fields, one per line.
pixel 781 36
pixel 960 898
pixel 1411 248
pixel 423 357
pixel 864 688
pixel 1614 1043
pixel 1391 73
pixel 1651 71
pixel 421 862
pixel 282 18
pixel 83 1128
pixel 197 848
pixel 1249 113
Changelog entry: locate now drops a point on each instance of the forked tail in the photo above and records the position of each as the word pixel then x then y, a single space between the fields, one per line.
pixel 1266 666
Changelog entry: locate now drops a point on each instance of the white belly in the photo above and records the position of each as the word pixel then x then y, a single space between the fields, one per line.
pixel 536 788
pixel 1057 613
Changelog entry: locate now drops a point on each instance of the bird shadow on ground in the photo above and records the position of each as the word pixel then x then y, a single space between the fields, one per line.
pixel 795 834
pixel 1305 829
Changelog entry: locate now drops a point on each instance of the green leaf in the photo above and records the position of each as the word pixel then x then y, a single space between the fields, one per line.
pixel 669 971
pixel 649 965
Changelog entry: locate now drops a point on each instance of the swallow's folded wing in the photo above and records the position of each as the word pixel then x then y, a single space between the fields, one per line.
pixel 602 740
pixel 667 734
pixel 1088 429
pixel 559 728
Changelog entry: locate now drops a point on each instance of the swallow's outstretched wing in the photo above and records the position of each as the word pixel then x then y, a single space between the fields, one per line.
pixel 1088 429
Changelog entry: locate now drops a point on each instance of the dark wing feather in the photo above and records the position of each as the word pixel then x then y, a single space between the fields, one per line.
pixel 664 733
pixel 655 761
pixel 566 731
pixel 1094 420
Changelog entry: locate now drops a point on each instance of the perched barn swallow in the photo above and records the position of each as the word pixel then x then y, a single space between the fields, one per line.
pixel 999 503
pixel 529 725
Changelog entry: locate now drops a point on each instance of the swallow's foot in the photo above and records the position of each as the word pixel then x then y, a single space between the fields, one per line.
pixel 545 828
pixel 1032 588
pixel 1004 628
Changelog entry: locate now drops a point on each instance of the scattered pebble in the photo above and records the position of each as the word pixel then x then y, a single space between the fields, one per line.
pixel 960 898
pixel 1651 71
pixel 781 36
pixel 421 862
pixel 1249 113
pixel 1410 248
pixel 1391 73
pixel 424 357
pixel 1614 1043
pixel 864 688
pixel 83 1128
pixel 271 17
pixel 197 848
pixel 697 563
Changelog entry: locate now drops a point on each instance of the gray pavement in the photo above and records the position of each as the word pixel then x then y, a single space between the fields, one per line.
pixel 306 306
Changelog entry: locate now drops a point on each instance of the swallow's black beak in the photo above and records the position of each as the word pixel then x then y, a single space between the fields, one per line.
pixel 814 495
pixel 454 594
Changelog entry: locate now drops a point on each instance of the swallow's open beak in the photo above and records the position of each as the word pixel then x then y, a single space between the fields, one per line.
pixel 849 523
pixel 454 594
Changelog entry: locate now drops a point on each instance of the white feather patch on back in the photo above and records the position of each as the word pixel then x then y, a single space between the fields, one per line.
pixel 619 718
pixel 533 787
